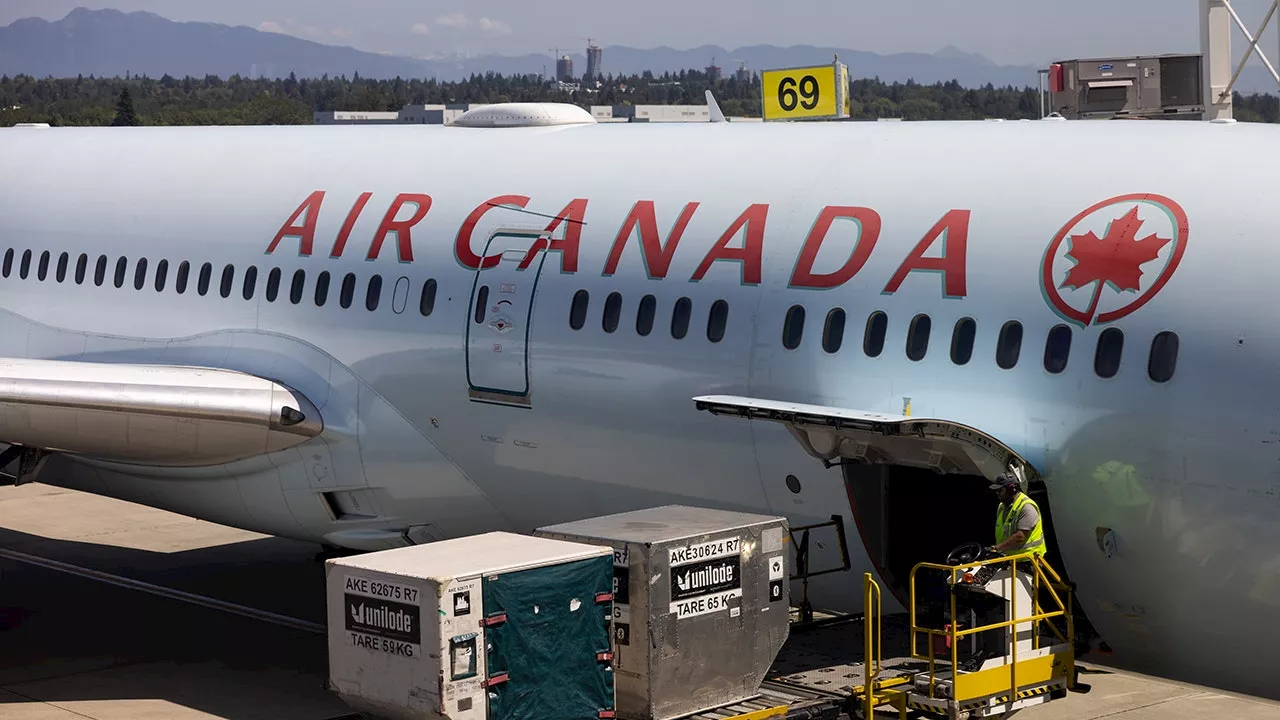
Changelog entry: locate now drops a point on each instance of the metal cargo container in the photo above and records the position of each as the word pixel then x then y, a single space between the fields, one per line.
pixel 490 627
pixel 701 605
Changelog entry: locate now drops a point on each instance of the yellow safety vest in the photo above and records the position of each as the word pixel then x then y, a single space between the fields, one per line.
pixel 1007 525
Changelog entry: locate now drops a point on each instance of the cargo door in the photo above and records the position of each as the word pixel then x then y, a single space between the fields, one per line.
pixel 500 312
pixel 547 644
pixel 901 473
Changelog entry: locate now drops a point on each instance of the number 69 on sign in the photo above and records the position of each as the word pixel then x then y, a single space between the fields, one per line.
pixel 809 93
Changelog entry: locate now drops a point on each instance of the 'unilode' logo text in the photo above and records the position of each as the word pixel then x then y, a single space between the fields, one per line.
pixel 705 577
pixel 384 618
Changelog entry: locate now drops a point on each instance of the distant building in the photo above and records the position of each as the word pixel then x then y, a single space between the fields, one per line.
pixel 434 114
pixel 594 56
pixel 564 69
pixel 743 74
pixel 354 117
pixel 659 113
pixel 714 72
pixel 446 114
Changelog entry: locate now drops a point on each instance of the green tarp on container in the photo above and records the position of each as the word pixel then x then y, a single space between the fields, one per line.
pixel 548 645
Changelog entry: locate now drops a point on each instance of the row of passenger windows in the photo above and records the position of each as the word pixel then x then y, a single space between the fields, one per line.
pixel 204 277
pixel 1161 361
pixel 646 314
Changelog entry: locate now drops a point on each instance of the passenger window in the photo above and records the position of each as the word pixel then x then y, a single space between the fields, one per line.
pixel 645 314
pixel 140 274
pixel 873 338
pixel 63 259
pixel 348 290
pixel 99 271
pixel 717 321
pixel 482 301
pixel 680 318
pixel 1164 357
pixel 25 269
pixel 122 267
pixel 918 337
pixel 82 266
pixel 162 269
pixel 1057 348
pixel 273 284
pixel 322 288
pixel 1009 346
pixel 184 272
pixel 962 340
pixel 612 312
pixel 428 301
pixel 374 294
pixel 578 310
pixel 1106 361
pixel 202 281
pixel 8 263
pixel 297 285
pixel 833 331
pixel 250 282
pixel 228 280
pixel 43 271
pixel 793 327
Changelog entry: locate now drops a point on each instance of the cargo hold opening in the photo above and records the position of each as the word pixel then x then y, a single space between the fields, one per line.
pixel 918 487
pixel 907 515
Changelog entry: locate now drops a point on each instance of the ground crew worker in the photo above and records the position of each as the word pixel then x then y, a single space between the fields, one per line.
pixel 1019 527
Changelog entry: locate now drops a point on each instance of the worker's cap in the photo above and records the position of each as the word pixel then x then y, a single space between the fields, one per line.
pixel 1005 480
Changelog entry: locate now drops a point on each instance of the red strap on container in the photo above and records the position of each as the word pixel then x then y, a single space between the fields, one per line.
pixel 495 619
pixel 604 656
pixel 604 597
pixel 608 714
pixel 496 680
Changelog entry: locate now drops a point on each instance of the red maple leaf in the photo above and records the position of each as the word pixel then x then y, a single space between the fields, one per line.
pixel 1116 258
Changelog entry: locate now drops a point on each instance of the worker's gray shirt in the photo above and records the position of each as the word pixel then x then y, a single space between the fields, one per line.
pixel 1028 516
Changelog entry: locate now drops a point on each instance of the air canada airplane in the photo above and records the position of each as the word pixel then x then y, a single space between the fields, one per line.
pixel 374 336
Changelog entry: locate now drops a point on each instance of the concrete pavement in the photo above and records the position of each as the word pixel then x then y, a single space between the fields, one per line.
pixel 72 648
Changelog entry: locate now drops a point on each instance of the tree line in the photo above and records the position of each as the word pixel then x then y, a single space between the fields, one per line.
pixel 237 100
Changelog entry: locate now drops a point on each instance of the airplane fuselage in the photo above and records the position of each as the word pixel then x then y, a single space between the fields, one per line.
pixel 504 329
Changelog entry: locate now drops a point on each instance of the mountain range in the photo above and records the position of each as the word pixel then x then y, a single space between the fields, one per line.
pixel 108 43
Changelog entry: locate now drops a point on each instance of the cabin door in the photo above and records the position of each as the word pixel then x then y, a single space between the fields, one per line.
pixel 501 310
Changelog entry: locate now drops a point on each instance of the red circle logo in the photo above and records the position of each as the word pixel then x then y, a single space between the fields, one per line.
pixel 1113 257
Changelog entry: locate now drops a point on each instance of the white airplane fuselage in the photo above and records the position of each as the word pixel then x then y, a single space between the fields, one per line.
pixel 443 419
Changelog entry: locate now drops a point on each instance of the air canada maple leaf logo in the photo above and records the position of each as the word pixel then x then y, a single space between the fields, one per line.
pixel 1114 257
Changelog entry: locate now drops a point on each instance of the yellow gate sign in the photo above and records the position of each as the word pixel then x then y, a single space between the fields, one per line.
pixel 808 93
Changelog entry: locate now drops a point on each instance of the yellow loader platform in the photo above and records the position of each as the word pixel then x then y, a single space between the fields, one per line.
pixel 994 638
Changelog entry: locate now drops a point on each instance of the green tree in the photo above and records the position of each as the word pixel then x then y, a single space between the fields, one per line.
pixel 124 110
pixel 237 100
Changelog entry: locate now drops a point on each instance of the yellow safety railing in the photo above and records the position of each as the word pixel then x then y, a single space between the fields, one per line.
pixel 1045 579
pixel 872 648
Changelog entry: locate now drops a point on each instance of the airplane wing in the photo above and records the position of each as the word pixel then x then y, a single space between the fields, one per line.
pixel 146 414
pixel 834 435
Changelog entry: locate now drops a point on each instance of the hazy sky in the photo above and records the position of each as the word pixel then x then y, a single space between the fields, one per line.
pixel 1006 31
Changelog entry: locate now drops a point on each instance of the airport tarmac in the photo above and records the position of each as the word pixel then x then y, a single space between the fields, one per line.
pixel 73 648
